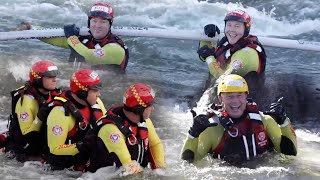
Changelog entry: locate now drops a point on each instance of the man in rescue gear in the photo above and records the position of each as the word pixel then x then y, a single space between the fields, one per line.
pixel 25 141
pixel 236 131
pixel 100 48
pixel 126 135
pixel 68 117
pixel 237 52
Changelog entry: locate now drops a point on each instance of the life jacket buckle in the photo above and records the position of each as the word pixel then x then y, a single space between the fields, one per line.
pixel 83 125
pixel 132 142
pixel 234 133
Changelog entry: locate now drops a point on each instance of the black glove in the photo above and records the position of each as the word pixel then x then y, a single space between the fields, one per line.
pixel 210 30
pixel 225 121
pixel 277 111
pixel 200 123
pixel 88 142
pixel 205 52
pixel 71 30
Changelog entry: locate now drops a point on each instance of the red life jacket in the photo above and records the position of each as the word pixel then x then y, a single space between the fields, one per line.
pixel 136 134
pixel 224 50
pixel 91 43
pixel 246 140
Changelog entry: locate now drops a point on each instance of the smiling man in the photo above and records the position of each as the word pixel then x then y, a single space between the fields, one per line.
pixel 237 52
pixel 236 131
pixel 100 48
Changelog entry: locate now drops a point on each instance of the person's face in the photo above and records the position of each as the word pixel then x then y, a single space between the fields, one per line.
pixel 49 83
pixel 234 103
pixel 93 96
pixel 99 27
pixel 147 112
pixel 234 31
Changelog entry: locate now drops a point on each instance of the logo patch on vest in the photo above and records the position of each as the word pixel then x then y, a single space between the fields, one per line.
pixel 237 64
pixel 24 116
pixel 99 53
pixel 262 141
pixel 114 137
pixel 57 130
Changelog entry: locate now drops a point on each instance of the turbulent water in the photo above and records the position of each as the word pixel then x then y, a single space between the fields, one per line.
pixel 173 69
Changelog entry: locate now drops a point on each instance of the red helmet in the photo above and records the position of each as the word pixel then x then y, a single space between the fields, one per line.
pixel 43 69
pixel 138 95
pixel 84 79
pixel 241 16
pixel 102 10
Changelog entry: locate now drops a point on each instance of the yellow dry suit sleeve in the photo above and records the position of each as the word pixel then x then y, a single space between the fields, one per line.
pixel 155 145
pixel 101 105
pixel 205 143
pixel 274 131
pixel 59 41
pixel 242 62
pixel 115 142
pixel 111 53
pixel 58 127
pixel 27 112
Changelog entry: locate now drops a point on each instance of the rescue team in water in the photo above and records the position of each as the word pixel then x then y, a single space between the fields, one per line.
pixel 71 129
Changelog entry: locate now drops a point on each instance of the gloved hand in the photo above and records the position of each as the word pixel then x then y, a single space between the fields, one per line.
pixel 210 30
pixel 88 142
pixel 71 30
pixel 132 167
pixel 205 52
pixel 277 111
pixel 200 123
pixel 225 121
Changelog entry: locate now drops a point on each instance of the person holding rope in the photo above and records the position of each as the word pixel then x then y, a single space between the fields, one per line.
pixel 100 48
pixel 237 52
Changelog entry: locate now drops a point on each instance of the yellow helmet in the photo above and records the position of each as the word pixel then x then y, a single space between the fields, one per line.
pixel 232 83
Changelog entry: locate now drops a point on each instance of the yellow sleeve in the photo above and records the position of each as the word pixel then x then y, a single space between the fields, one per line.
pixel 214 67
pixel 100 103
pixel 111 53
pixel 156 148
pixel 27 112
pixel 205 143
pixel 58 127
pixel 275 132
pixel 59 41
pixel 242 62
pixel 115 142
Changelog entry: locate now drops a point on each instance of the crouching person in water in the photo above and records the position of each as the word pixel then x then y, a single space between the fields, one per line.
pixel 68 117
pixel 126 135
pixel 237 131
pixel 25 141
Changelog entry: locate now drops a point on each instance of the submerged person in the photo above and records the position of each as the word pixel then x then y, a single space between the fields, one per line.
pixel 126 136
pixel 100 48
pixel 236 131
pixel 25 141
pixel 68 117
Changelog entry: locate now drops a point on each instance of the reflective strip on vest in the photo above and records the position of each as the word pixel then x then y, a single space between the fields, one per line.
pixel 255 116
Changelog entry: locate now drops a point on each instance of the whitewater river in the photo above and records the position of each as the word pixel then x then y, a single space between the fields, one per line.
pixel 172 68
